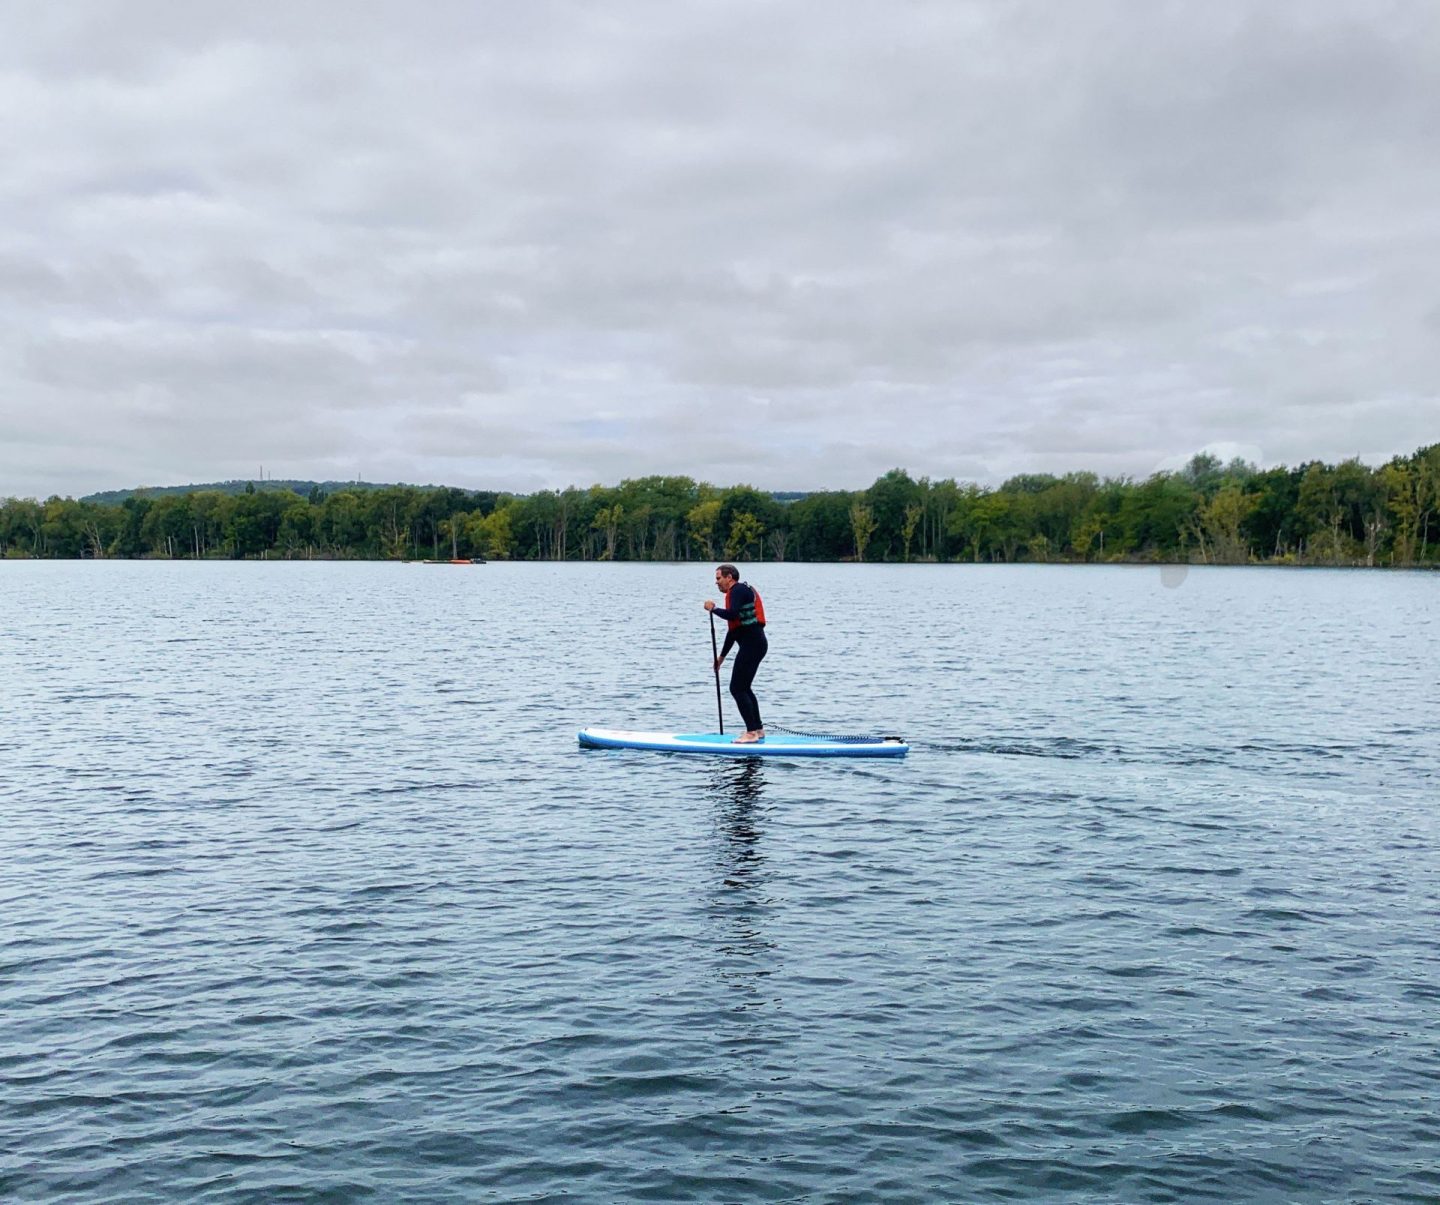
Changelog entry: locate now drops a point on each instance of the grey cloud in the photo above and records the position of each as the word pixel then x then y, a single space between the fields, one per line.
pixel 976 238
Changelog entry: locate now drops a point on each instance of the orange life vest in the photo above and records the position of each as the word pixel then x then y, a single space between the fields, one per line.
pixel 750 616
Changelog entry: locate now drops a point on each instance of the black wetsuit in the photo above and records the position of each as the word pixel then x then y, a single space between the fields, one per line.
pixel 752 647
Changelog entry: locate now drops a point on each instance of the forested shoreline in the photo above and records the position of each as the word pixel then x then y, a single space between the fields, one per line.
pixel 1207 513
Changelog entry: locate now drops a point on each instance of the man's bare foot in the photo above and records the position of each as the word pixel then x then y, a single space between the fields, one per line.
pixel 750 738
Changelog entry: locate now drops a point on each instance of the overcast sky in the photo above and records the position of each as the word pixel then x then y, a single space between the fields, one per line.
pixel 527 245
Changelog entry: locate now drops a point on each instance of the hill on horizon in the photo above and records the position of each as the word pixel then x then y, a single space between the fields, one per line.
pixel 303 488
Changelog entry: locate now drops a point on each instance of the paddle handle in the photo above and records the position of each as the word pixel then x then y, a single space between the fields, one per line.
pixel 715 648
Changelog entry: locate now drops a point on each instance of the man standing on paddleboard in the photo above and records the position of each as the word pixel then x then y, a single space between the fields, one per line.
pixel 744 614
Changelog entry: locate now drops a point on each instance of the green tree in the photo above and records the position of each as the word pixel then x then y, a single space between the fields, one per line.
pixel 1085 535
pixel 968 519
pixel 607 521
pixel 1014 529
pixel 1204 474
pixel 888 501
pixel 819 526
pixel 1329 508
pixel 1218 523
pixel 656 510
pixel 21 520
pixel 1155 516
pixel 913 514
pixel 1030 483
pixel 166 529
pixel 1057 508
pixel 129 539
pixel 430 511
pixel 62 528
pixel 253 525
pixel 991 524
pixel 745 530
pixel 342 524
pixel 862 526
pixel 388 514
pixel 747 500
pixel 1270 528
pixel 940 498
pixel 1426 466
pixel 494 533
pixel 297 528
pixel 702 519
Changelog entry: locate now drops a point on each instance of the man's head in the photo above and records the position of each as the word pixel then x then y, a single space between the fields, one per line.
pixel 726 576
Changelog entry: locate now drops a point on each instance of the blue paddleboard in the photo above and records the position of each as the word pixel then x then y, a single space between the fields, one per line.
pixel 779 745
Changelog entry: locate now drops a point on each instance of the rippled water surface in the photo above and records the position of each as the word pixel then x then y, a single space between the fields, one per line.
pixel 309 895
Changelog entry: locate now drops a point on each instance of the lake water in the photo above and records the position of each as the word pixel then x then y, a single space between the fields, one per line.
pixel 309 895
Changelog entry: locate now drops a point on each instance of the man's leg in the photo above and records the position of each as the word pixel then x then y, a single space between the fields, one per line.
pixel 747 661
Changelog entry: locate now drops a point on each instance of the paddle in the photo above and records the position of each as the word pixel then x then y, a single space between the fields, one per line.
pixel 715 648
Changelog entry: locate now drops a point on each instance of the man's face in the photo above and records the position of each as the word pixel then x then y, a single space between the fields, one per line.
pixel 723 580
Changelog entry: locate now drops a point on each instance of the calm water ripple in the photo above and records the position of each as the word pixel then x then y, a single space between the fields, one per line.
pixel 310 895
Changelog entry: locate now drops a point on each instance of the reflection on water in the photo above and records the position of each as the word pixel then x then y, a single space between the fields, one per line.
pixel 739 903
pixel 739 792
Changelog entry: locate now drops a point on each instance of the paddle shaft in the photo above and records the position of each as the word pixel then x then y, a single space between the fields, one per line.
pixel 715 648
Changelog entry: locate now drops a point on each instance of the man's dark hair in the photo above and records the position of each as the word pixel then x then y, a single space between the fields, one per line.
pixel 728 571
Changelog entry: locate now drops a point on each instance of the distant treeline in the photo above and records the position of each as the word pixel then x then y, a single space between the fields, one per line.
pixel 236 486
pixel 1208 512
